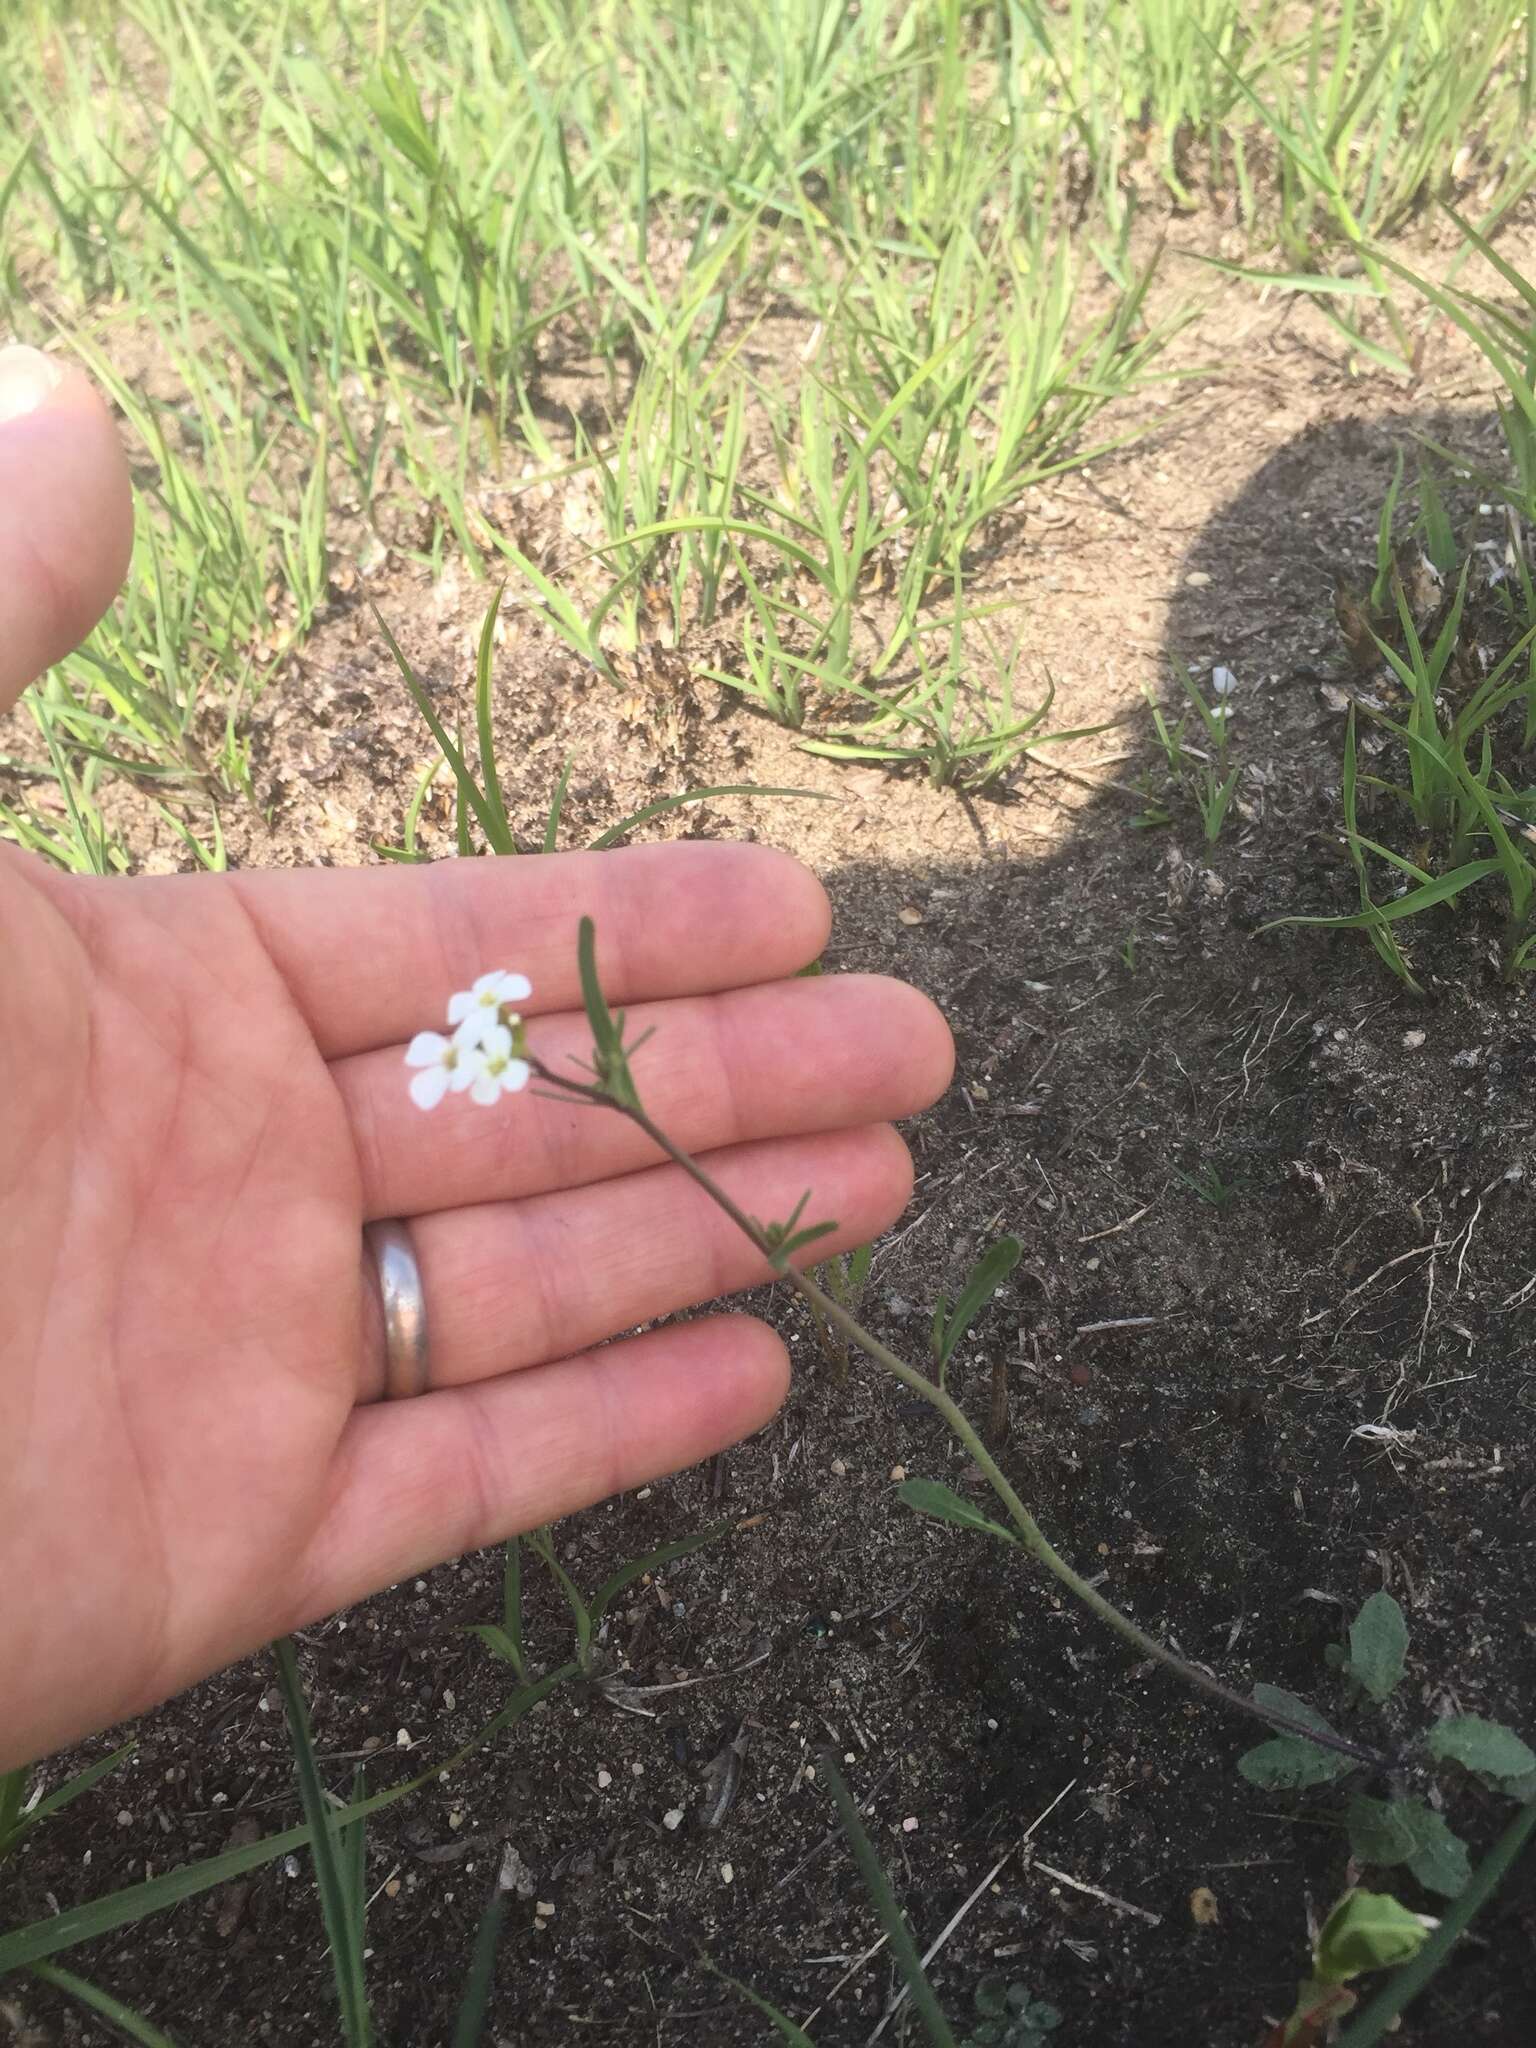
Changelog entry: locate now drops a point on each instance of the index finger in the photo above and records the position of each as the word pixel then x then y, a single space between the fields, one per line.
pixel 371 955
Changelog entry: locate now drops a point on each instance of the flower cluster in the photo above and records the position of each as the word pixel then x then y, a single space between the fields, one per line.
pixel 482 1056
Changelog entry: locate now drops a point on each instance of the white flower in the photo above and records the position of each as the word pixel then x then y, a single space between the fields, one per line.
pixel 478 1010
pixel 444 1063
pixel 497 1070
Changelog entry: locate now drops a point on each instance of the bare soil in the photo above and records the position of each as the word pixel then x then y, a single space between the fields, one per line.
pixel 1185 1380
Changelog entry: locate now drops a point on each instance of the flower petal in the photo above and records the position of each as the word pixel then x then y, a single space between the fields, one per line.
pixel 471 1028
pixel 485 1088
pixel 495 1042
pixel 426 1049
pixel 429 1087
pixel 460 1005
pixel 515 988
pixel 467 1068
pixel 514 1075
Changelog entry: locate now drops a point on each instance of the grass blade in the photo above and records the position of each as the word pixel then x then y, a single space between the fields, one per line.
pixel 123 2017
pixel 903 1947
pixel 331 1865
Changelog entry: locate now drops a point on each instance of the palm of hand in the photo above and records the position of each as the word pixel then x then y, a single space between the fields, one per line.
pixel 183 1173
pixel 213 1107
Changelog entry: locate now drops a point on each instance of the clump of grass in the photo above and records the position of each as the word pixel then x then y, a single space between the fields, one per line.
pixel 1204 776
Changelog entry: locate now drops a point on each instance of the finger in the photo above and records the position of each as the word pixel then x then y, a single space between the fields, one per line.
pixel 66 514
pixel 372 955
pixel 426 1479
pixel 795 1058
pixel 511 1284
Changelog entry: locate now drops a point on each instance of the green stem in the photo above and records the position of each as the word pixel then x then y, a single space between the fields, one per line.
pixel 1031 1536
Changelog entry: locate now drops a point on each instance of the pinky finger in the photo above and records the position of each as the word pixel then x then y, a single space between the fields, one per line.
pixel 422 1480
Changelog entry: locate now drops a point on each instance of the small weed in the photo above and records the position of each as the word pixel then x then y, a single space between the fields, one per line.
pixel 1403 1828
pixel 1009 2016
pixel 1209 1185
pixel 1203 775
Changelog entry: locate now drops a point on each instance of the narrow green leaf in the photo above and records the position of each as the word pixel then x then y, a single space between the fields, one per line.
pixel 126 1908
pixel 615 833
pixel 933 1497
pixel 1441 890
pixel 512 1601
pixel 982 1282
pixel 668 1553
pixel 62 1795
pixel 129 2022
pixel 345 1936
pixel 903 1947
pixel 470 2023
pixel 796 2036
pixel 557 805
pixel 500 833
pixel 468 788
pixel 1319 284
pixel 605 1033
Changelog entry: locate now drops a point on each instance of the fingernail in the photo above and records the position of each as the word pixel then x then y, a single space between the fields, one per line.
pixel 28 379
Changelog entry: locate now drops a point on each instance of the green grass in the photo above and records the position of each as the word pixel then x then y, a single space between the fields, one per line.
pixel 323 258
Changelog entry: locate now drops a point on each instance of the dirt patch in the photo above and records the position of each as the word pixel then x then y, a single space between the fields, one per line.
pixel 1266 1198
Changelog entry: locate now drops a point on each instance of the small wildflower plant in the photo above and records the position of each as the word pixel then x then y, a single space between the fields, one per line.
pixel 487 1055
pixel 483 1055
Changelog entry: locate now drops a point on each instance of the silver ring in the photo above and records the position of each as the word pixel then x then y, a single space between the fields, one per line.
pixel 404 1306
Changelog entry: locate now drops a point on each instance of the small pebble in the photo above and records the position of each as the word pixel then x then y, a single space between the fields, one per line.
pixel 909 1825
pixel 124 1818
pixel 727 1874
pixel 672 1819
pixel 604 1780
pixel 402 1738
pixel 637 1770
pixel 839 1468
pixel 1412 1040
pixel 392 1888
pixel 898 1473
pixel 1197 579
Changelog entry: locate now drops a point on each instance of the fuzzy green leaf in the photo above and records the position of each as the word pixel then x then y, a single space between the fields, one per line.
pixel 1378 1646
pixel 1479 1745
pixel 1407 1831
pixel 1290 1762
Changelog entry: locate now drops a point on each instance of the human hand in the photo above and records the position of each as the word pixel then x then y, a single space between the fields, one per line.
pixel 207 1102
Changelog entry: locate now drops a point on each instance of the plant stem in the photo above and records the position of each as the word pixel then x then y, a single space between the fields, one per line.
pixel 1031 1536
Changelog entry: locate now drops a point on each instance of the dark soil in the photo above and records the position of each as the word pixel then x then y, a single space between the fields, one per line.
pixel 1186 1379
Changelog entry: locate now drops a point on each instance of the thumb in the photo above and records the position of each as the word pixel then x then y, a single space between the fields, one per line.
pixel 66 514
